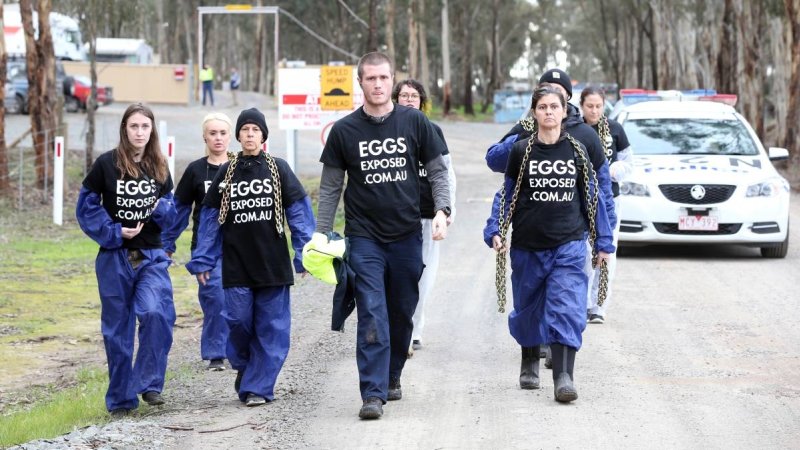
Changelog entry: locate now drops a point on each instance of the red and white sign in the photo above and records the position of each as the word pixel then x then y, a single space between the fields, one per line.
pixel 299 94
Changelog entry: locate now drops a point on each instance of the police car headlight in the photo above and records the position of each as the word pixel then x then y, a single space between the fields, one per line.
pixel 635 189
pixel 768 188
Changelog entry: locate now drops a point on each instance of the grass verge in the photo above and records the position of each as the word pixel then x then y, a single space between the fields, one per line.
pixel 62 411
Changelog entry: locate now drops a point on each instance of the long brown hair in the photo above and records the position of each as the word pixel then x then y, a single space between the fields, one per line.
pixel 153 162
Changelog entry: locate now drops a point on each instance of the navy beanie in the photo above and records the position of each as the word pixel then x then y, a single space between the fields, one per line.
pixel 558 76
pixel 255 117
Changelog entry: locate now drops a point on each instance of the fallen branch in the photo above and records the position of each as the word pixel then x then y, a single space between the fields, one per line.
pixel 177 427
pixel 224 429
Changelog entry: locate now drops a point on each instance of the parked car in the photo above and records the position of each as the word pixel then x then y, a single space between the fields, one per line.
pixel 702 176
pixel 77 90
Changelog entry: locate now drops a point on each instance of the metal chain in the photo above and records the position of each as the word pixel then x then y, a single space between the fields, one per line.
pixel 591 206
pixel 224 187
pixel 505 222
pixel 276 180
pixel 605 136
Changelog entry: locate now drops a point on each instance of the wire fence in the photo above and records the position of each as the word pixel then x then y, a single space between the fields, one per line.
pixel 31 176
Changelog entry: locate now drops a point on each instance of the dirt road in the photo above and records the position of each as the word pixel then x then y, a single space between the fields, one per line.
pixel 699 351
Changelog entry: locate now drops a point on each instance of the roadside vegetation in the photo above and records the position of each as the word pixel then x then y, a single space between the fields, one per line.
pixel 50 322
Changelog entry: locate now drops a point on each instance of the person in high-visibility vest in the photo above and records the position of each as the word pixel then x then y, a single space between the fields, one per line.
pixel 207 78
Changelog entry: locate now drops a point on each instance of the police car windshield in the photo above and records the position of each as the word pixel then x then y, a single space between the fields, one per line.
pixel 689 136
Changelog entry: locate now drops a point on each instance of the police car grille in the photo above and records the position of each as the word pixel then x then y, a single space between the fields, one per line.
pixel 672 228
pixel 682 193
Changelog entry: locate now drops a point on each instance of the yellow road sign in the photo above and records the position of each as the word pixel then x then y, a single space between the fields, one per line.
pixel 238 7
pixel 336 84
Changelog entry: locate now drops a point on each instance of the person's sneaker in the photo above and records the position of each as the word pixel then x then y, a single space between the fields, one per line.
pixel 238 383
pixel 416 344
pixel 254 400
pixel 153 398
pixel 120 413
pixel 596 318
pixel 216 365
pixel 395 390
pixel 371 409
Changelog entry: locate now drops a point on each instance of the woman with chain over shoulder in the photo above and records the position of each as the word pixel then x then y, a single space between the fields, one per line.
pixel 124 204
pixel 242 224
pixel 620 159
pixel 196 179
pixel 552 202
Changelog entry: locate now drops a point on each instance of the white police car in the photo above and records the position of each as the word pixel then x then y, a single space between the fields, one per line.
pixel 701 176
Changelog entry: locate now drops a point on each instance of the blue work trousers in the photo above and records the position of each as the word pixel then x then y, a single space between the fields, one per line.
pixel 128 294
pixel 387 292
pixel 214 337
pixel 208 89
pixel 260 322
pixel 549 289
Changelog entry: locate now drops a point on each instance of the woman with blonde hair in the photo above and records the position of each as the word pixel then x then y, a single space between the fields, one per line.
pixel 217 130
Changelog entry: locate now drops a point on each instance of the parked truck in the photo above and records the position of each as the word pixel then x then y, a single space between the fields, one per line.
pixel 67 40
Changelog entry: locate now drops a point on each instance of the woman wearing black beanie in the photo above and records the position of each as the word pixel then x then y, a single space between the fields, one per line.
pixel 253 196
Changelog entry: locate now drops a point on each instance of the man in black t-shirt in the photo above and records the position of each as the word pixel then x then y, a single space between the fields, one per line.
pixel 379 148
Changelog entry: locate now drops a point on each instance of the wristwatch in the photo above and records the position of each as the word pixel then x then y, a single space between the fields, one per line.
pixel 446 210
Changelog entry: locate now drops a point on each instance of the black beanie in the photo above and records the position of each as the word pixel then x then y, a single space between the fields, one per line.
pixel 253 116
pixel 559 77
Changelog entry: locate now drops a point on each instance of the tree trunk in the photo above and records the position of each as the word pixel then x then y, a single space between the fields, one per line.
pixel 424 72
pixel 35 74
pixel 790 140
pixel 48 98
pixel 726 60
pixel 163 49
pixel 372 34
pixel 494 64
pixel 5 184
pixel 413 44
pixel 466 36
pixel 390 18
pixel 445 58
pixel 93 13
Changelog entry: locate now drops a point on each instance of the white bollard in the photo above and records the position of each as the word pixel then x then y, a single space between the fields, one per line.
pixel 58 180
pixel 171 157
pixel 291 148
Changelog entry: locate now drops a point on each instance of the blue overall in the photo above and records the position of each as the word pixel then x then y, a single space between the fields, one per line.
pixel 214 336
pixel 128 294
pixel 387 291
pixel 549 289
pixel 260 322
pixel 259 319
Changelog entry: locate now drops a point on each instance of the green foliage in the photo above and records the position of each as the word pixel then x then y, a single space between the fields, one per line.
pixel 62 411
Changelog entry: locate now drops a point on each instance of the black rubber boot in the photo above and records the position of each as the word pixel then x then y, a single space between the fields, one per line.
pixel 529 368
pixel 563 365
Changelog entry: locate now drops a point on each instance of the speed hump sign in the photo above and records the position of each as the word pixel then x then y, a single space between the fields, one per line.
pixel 336 83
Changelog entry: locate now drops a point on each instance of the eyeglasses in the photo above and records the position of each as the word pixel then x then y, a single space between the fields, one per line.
pixel 407 96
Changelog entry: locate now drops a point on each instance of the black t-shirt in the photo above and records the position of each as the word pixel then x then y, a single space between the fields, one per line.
pixel 426 204
pixel 548 209
pixel 381 200
pixel 192 188
pixel 253 254
pixel 619 141
pixel 128 200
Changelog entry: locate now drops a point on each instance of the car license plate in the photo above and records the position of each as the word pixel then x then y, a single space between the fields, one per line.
pixel 698 223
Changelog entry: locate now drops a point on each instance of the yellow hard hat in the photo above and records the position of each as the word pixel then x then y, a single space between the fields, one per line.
pixel 319 254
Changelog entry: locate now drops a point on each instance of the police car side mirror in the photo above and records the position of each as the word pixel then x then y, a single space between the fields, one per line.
pixel 778 154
